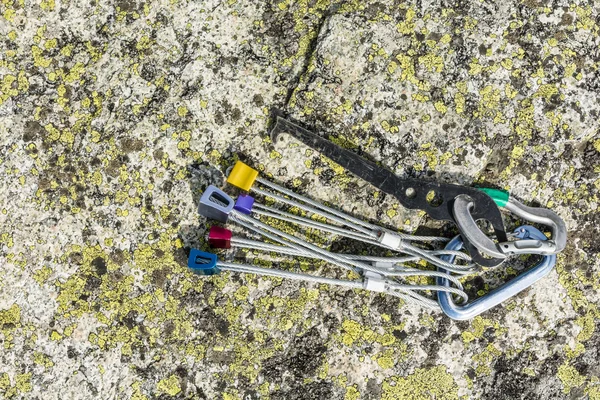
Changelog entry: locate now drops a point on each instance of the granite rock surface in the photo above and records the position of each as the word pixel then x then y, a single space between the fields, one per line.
pixel 104 106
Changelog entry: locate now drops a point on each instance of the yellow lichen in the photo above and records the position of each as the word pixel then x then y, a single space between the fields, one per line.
pixel 386 359
pixel 459 101
pixel 588 326
pixel 432 62
pixel 352 393
pixel 47 5
pixel 423 384
pixel 440 107
pixel 42 274
pixel 4 381
pixel 170 385
pixel 484 359
pixel 42 359
pixel 10 316
pixel 352 332
pixel 23 382
pixel 547 91
pixel 569 377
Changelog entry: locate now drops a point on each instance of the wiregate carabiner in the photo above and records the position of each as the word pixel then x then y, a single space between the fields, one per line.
pixel 504 292
pixel 544 216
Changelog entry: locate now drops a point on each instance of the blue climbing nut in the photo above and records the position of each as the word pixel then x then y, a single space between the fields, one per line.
pixel 203 263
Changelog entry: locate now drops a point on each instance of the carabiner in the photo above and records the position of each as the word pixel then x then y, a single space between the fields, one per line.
pixel 558 229
pixel 468 227
pixel 504 292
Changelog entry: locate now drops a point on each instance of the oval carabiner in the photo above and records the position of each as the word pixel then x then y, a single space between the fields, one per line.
pixel 471 232
pixel 498 295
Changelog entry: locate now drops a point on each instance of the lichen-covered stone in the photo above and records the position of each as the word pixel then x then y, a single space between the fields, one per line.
pixel 104 106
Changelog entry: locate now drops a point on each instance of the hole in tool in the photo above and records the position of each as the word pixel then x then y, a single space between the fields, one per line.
pixel 411 193
pixel 485 226
pixel 434 198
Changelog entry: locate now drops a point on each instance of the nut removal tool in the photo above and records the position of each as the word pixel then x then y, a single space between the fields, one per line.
pixel 411 193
